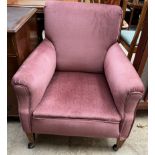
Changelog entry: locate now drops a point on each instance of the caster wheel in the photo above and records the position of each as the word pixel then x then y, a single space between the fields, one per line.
pixel 115 148
pixel 31 145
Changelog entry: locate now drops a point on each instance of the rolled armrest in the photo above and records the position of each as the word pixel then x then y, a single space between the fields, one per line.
pixel 125 85
pixel 32 79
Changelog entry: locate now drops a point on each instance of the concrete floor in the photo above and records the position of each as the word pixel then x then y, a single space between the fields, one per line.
pixel 136 144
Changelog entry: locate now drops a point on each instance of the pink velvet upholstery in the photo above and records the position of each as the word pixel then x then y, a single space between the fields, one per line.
pixel 94 90
pixel 75 127
pixel 80 29
pixel 79 99
pixel 78 95
pixel 125 85
pixel 32 79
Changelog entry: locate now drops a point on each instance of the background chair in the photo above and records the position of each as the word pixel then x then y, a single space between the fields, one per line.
pixel 78 81
pixel 129 38
pixel 113 2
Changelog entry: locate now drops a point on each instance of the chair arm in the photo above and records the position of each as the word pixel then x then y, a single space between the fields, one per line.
pixel 125 85
pixel 32 79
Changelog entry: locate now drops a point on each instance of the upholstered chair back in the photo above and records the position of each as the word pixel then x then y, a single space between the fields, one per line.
pixel 81 33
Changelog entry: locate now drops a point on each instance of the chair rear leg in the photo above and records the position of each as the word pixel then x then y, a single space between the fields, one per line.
pixel 31 138
pixel 118 144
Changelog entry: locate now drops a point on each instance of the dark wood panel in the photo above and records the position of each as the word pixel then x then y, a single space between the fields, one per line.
pixel 11 44
pixel 12 66
pixel 21 42
pixel 141 58
pixel 12 105
pixel 40 24
pixel 142 50
pixel 113 2
pixel 27 39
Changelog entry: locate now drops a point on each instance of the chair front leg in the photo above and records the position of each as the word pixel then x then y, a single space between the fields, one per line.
pixel 31 138
pixel 118 144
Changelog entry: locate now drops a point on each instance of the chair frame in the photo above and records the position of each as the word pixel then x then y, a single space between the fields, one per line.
pixel 29 132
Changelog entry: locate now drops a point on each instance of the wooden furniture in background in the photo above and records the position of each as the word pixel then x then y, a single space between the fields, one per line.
pixel 129 38
pixel 113 2
pixel 134 6
pixel 31 3
pixel 124 6
pixel 22 38
pixel 141 60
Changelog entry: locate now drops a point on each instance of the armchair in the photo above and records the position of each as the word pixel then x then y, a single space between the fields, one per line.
pixel 78 81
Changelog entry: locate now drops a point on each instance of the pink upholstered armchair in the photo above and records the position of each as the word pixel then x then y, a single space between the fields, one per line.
pixel 78 81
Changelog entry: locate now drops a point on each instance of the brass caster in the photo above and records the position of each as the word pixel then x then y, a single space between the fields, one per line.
pixel 115 148
pixel 31 145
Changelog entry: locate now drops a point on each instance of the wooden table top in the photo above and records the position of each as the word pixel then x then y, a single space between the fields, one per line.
pixel 30 3
pixel 41 3
pixel 17 17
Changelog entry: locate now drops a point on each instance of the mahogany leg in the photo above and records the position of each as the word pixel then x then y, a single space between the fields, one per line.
pixel 118 144
pixel 31 138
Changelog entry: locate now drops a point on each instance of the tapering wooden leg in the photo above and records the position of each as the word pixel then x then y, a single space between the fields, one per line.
pixel 118 144
pixel 31 138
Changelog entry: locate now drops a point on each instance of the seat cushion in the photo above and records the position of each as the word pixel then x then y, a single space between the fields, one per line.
pixel 77 104
pixel 78 95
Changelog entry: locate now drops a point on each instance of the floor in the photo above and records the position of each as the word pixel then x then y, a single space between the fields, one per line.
pixel 61 145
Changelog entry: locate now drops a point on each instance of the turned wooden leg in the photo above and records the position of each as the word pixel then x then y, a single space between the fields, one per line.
pixel 118 144
pixel 31 138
